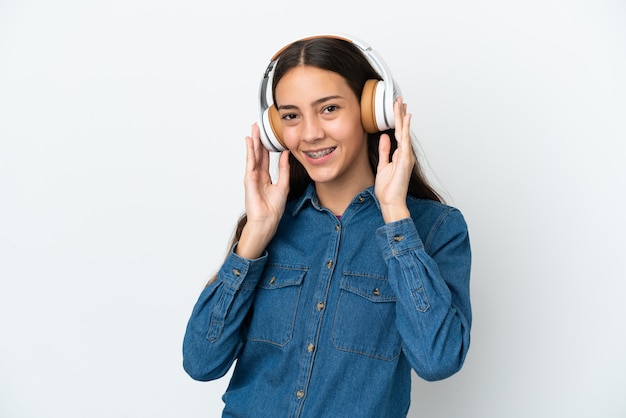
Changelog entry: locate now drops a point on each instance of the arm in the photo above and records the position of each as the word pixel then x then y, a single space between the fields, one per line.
pixel 432 288
pixel 431 284
pixel 213 337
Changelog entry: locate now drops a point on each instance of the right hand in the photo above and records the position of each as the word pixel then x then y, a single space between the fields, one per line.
pixel 264 201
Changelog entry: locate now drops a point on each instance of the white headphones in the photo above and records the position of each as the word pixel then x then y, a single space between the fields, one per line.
pixel 376 100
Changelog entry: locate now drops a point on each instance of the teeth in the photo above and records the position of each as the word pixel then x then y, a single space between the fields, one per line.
pixel 321 153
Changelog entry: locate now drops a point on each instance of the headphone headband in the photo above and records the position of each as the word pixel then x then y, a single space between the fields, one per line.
pixel 376 101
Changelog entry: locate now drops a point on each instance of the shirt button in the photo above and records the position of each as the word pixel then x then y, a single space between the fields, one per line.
pixel 329 264
pixel 320 306
pixel 398 238
pixel 376 292
pixel 310 348
pixel 236 272
pixel 337 228
pixel 300 394
pixel 273 279
pixel 361 198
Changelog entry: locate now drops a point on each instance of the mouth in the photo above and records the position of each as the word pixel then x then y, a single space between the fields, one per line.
pixel 317 154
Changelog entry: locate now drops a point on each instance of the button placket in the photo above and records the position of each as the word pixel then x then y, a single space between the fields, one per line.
pixel 309 349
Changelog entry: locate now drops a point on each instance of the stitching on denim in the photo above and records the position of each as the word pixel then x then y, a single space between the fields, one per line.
pixel 392 352
pixel 418 296
pixel 436 227
pixel 283 284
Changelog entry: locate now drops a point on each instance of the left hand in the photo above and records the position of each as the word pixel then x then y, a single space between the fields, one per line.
pixel 393 174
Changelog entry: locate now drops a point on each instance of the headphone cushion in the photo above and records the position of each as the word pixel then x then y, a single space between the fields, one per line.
pixel 271 130
pixel 277 127
pixel 368 105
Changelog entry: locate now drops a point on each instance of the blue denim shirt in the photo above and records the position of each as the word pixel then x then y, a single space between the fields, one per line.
pixel 331 319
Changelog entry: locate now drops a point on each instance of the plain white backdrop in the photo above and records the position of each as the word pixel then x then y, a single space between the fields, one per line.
pixel 122 128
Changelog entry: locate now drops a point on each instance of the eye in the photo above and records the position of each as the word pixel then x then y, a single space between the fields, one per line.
pixel 330 109
pixel 288 116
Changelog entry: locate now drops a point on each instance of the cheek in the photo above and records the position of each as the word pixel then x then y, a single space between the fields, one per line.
pixel 352 132
pixel 290 137
pixel 351 124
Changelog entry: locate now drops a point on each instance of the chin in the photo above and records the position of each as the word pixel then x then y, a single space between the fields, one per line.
pixel 321 178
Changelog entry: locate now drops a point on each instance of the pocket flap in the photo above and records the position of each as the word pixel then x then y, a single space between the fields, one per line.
pixel 375 289
pixel 276 276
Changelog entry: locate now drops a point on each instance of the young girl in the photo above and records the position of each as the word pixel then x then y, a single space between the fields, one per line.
pixel 349 270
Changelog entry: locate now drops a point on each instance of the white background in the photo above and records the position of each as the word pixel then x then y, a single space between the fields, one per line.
pixel 122 129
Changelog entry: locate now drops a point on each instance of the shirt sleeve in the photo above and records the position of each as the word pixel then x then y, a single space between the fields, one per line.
pixel 213 338
pixel 431 283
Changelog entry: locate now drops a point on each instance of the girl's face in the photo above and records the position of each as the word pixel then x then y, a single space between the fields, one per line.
pixel 321 126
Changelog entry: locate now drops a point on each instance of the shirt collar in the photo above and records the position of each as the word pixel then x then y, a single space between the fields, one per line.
pixel 310 195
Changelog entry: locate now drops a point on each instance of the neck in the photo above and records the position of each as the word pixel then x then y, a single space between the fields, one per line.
pixel 337 196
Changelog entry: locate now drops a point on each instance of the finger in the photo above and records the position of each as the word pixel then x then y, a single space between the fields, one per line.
pixel 406 147
pixel 250 157
pixel 384 146
pixel 406 130
pixel 400 119
pixel 262 154
pixel 399 111
pixel 253 149
pixel 256 141
pixel 283 170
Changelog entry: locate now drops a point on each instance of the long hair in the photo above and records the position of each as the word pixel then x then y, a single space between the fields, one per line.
pixel 344 58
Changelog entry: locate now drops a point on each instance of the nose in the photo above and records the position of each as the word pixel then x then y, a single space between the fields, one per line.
pixel 311 129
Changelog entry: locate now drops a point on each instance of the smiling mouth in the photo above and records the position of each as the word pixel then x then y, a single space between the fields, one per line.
pixel 319 154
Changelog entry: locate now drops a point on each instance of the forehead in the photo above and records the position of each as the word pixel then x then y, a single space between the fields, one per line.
pixel 307 81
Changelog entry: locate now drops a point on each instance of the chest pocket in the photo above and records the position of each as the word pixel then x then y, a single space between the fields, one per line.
pixel 275 304
pixel 365 319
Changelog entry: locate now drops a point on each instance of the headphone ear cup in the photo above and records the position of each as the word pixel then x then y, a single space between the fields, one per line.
pixel 368 106
pixel 276 125
pixel 272 132
pixel 377 107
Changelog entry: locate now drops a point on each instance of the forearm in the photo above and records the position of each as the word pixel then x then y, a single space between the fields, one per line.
pixel 213 336
pixel 255 237
pixel 433 312
pixel 394 213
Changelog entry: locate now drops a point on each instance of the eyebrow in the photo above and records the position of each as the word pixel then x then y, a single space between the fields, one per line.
pixel 315 102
